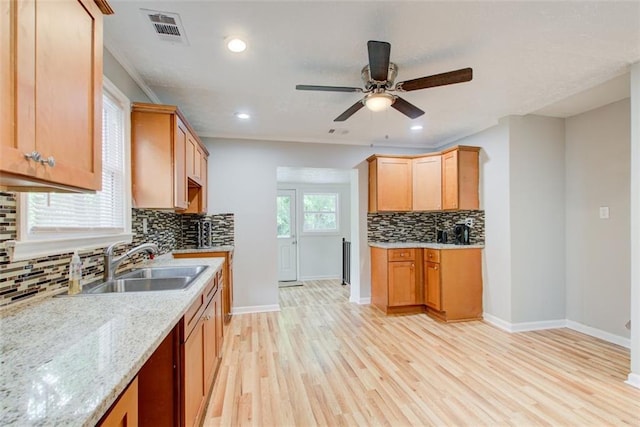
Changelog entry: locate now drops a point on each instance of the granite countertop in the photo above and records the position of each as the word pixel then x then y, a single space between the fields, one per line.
pixel 65 360
pixel 224 248
pixel 407 245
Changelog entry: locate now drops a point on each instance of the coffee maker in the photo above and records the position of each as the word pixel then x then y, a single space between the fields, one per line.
pixel 461 234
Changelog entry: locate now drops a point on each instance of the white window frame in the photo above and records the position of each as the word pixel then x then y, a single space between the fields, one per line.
pixel 25 248
pixel 302 212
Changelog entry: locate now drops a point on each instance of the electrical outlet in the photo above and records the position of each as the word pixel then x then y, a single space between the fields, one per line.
pixel 469 222
pixel 145 228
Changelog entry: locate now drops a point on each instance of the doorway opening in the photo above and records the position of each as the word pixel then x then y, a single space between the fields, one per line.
pixel 314 214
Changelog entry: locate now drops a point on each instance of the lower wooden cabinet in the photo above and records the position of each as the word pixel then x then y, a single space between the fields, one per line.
pixel 227 276
pixel 445 283
pixel 124 412
pixel 200 352
pixel 453 284
pixel 395 280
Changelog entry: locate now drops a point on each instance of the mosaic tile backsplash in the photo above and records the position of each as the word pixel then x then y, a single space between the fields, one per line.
pixel 24 279
pixel 421 226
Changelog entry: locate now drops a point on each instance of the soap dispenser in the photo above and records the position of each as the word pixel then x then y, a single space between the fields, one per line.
pixel 75 274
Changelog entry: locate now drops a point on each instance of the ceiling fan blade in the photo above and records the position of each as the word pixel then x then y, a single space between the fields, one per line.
pixel 349 112
pixel 457 76
pixel 379 53
pixel 407 108
pixel 329 88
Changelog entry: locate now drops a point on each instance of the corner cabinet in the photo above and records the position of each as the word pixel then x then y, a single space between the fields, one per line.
pixel 163 160
pixel 390 184
pixel 453 284
pixel 395 280
pixel 460 178
pixel 51 94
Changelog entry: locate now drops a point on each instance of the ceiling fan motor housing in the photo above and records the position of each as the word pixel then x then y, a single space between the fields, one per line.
pixel 371 84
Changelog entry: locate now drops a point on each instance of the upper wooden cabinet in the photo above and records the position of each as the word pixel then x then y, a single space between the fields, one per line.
pixel 164 153
pixel 51 94
pixel 460 176
pixel 427 183
pixel 445 180
pixel 390 184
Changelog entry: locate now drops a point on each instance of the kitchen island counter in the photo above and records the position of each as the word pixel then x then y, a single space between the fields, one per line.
pixel 65 360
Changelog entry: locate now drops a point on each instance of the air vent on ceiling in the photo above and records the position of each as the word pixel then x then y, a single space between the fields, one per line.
pixel 339 131
pixel 166 25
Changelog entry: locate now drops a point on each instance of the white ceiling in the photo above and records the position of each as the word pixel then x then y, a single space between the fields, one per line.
pixel 525 56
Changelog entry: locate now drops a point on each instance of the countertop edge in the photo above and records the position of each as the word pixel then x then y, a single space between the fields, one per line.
pixel 422 245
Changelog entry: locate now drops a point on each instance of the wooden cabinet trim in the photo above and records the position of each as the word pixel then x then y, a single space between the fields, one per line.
pixel 124 412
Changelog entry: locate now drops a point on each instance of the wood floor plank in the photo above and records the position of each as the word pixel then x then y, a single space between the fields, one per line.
pixel 324 361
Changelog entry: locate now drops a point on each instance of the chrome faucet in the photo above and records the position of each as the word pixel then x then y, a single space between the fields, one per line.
pixel 111 263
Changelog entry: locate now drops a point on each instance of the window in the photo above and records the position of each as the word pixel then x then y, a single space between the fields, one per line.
pixel 320 212
pixel 53 223
pixel 283 216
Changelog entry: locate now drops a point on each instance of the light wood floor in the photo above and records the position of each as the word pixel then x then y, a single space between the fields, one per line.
pixel 324 361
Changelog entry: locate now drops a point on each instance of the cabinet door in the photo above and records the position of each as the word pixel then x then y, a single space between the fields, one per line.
pixel 124 411
pixel 217 300
pixel 210 342
pixel 433 294
pixel 190 156
pixel 54 79
pixel 180 172
pixel 402 283
pixel 427 183
pixel 450 180
pixel 394 184
pixel 193 375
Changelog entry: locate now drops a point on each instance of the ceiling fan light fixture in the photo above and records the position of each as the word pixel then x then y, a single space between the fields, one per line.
pixel 378 101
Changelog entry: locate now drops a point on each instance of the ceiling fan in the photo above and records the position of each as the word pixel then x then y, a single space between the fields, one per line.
pixel 378 78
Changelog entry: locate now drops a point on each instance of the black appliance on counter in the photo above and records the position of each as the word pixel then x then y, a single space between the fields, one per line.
pixel 461 234
pixel 441 236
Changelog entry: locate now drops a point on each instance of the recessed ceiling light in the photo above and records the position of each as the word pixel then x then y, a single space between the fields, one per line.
pixel 243 116
pixel 236 45
pixel 416 127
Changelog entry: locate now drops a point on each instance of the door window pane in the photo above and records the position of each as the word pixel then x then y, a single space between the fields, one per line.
pixel 284 216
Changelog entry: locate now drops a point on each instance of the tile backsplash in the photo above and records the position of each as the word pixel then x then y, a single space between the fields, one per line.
pixel 421 226
pixel 24 279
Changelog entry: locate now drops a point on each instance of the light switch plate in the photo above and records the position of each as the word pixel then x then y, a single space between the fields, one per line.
pixel 604 212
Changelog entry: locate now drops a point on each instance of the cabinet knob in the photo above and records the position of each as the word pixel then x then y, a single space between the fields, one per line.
pixel 49 161
pixel 435 268
pixel 34 155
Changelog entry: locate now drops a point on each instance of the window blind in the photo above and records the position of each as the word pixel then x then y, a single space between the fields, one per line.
pixel 102 212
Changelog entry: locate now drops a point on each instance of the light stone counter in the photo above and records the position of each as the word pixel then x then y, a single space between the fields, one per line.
pixel 65 360
pixel 226 248
pixel 408 245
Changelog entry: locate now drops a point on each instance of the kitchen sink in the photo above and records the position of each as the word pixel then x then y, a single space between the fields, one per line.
pixel 149 279
pixel 162 272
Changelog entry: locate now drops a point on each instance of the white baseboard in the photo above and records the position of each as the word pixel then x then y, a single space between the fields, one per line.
pixel 633 380
pixel 598 333
pixel 538 326
pixel 255 309
pixel 497 322
pixel 364 301
pixel 523 326
pixel 556 324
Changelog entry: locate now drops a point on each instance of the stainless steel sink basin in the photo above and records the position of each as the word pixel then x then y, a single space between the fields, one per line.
pixel 142 285
pixel 149 279
pixel 160 272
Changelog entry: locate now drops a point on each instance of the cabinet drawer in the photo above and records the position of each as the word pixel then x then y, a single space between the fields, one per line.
pixel 432 255
pixel 192 316
pixel 401 254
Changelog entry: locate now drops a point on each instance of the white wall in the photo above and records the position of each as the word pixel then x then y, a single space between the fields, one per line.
pixel 494 199
pixel 320 255
pixel 634 375
pixel 242 181
pixel 597 250
pixel 536 165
